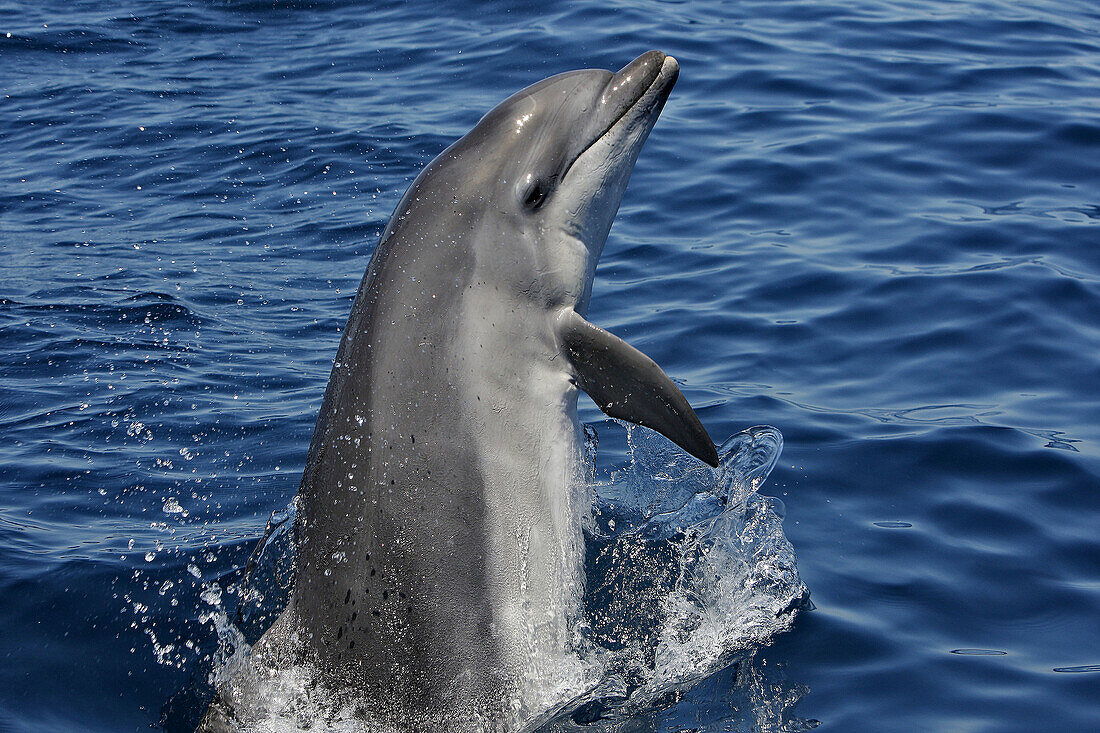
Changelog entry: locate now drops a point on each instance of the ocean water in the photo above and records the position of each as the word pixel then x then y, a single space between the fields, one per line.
pixel 872 225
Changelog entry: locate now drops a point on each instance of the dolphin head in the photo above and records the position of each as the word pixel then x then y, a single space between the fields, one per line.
pixel 552 162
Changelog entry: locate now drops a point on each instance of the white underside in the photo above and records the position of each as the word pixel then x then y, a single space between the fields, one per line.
pixel 536 500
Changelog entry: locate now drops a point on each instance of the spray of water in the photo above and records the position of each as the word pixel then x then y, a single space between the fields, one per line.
pixel 687 571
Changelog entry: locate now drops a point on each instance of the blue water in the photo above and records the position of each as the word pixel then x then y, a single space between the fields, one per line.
pixel 874 225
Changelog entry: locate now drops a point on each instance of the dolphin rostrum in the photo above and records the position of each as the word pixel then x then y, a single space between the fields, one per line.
pixel 440 551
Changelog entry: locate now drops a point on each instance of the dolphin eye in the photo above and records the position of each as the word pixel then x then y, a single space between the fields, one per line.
pixel 536 196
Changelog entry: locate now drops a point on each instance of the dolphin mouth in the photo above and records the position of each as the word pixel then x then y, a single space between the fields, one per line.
pixel 638 89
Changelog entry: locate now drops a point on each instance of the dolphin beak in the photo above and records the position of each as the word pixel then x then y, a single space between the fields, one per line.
pixel 631 83
pixel 649 79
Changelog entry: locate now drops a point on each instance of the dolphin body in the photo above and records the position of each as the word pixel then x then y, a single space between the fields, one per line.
pixel 440 551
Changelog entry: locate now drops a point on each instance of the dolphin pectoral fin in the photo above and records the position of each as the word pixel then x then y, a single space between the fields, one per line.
pixel 627 384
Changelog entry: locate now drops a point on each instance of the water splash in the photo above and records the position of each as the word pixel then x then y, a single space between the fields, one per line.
pixel 268 574
pixel 687 572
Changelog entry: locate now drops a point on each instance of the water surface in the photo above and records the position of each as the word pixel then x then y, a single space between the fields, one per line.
pixel 872 225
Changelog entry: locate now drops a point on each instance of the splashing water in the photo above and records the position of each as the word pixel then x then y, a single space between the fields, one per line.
pixel 687 571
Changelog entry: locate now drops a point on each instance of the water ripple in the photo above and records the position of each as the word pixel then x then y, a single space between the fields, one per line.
pixel 871 224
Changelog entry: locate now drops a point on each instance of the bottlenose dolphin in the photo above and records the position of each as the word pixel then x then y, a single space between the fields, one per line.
pixel 439 565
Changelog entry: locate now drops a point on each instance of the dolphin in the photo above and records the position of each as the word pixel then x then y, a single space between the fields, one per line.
pixel 440 518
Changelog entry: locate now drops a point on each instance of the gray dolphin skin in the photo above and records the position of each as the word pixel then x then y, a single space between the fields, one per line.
pixel 440 548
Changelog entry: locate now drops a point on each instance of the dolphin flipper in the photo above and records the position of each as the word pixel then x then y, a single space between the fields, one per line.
pixel 627 384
